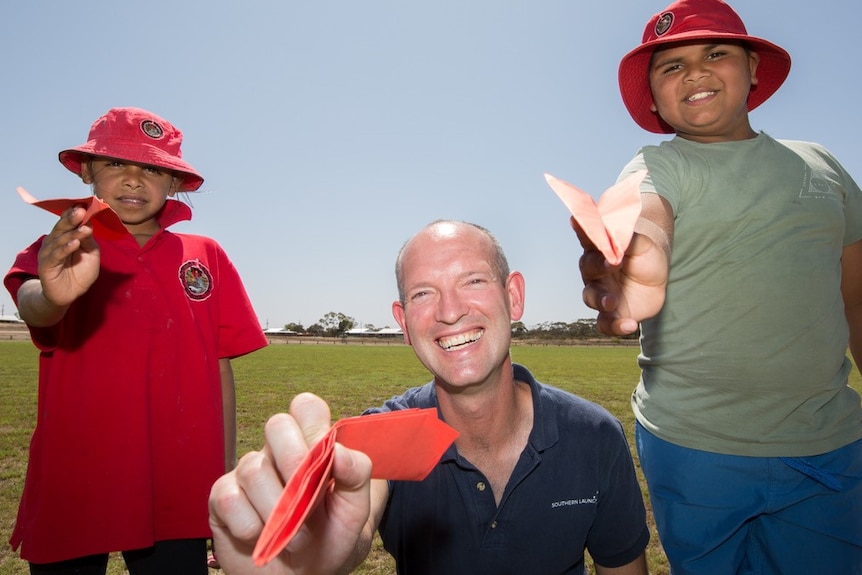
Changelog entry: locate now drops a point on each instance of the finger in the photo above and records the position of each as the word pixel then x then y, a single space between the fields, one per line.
pixel 596 296
pixel 351 469
pixel 348 505
pixel 286 444
pixel 231 509
pixel 312 415
pixel 69 220
pixel 594 266
pixel 611 324
pixel 586 242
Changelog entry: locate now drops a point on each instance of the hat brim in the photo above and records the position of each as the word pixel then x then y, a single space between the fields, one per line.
pixel 72 158
pixel 772 70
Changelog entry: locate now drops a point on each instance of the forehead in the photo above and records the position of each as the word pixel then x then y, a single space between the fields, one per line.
pixel 694 47
pixel 108 160
pixel 446 248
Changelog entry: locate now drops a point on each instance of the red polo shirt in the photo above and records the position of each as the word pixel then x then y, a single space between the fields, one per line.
pixel 130 437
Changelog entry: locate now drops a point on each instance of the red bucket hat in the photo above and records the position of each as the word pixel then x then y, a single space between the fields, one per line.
pixel 686 20
pixel 135 135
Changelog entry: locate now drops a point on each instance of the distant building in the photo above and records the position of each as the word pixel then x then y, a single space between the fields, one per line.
pixel 279 331
pixel 386 332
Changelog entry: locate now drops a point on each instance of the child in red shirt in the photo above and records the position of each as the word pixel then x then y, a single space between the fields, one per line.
pixel 136 414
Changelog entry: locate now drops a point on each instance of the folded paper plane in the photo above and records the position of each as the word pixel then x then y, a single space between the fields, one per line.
pixel 610 222
pixel 403 445
pixel 104 221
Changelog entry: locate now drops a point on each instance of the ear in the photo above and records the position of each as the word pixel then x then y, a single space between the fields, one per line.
pixel 176 182
pixel 753 61
pixel 515 289
pixel 86 172
pixel 398 314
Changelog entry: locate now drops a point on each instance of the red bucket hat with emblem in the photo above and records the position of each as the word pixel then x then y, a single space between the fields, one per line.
pixel 684 21
pixel 135 135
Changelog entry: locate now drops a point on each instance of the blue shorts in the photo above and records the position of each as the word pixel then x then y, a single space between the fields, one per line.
pixel 727 514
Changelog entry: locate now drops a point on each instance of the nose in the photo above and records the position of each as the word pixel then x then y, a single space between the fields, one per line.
pixel 696 72
pixel 451 307
pixel 132 175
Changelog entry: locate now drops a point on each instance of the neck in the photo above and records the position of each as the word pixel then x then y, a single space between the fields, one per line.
pixel 490 416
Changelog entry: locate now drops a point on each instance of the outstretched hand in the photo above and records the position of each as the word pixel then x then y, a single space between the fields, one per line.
pixel 68 259
pixel 241 501
pixel 634 290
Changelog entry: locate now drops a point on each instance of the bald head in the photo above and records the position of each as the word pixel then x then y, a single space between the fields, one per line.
pixel 441 231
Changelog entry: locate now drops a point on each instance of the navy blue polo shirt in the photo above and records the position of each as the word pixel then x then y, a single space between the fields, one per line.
pixel 573 488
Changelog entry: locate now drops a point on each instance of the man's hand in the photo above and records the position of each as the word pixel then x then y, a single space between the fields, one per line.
pixel 241 501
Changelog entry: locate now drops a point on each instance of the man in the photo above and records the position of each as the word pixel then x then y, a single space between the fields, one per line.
pixel 535 477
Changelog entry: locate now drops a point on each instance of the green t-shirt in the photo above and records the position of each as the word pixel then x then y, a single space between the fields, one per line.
pixel 748 354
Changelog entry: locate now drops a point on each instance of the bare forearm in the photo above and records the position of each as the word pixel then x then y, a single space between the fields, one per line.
pixel 854 320
pixel 228 397
pixel 851 292
pixel 35 309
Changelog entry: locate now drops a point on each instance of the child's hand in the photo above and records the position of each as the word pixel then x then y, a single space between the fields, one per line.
pixel 68 259
pixel 628 293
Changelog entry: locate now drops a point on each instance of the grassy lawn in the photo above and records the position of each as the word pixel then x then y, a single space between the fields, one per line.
pixel 349 377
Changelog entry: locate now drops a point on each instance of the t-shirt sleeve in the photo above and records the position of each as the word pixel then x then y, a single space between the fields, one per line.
pixel 26 267
pixel 619 533
pixel 240 331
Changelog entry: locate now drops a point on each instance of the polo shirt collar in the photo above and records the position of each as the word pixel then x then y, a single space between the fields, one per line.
pixel 545 432
pixel 172 212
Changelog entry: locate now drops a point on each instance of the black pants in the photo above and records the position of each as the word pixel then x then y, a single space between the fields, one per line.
pixel 176 557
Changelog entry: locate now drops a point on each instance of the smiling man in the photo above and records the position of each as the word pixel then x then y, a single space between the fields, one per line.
pixel 536 476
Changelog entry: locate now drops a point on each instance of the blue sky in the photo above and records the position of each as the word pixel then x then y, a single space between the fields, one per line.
pixel 330 131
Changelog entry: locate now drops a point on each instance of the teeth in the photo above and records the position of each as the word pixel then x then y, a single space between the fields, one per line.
pixel 460 340
pixel 700 96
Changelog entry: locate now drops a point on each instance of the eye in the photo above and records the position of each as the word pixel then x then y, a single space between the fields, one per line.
pixel 477 281
pixel 153 170
pixel 419 295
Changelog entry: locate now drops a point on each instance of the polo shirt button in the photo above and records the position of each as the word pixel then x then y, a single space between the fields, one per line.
pixel 493 525
pixel 480 486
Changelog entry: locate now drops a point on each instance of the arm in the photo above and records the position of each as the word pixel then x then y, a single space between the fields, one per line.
pixel 333 537
pixel 636 567
pixel 851 290
pixel 228 399
pixel 68 266
pixel 626 294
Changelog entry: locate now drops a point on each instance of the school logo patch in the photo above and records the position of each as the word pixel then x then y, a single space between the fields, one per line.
pixel 152 129
pixel 196 279
pixel 663 24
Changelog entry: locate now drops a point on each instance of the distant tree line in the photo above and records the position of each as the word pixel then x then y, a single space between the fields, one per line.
pixel 336 324
pixel 582 329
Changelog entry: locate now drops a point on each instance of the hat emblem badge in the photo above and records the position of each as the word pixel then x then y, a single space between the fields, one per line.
pixel 152 129
pixel 663 24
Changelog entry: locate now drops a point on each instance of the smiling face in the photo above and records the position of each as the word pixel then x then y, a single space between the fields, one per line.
pixel 457 310
pixel 701 90
pixel 135 191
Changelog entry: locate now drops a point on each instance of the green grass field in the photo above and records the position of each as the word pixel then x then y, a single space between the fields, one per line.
pixel 349 377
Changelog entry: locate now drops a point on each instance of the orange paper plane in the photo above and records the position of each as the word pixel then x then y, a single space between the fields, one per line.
pixel 403 445
pixel 104 221
pixel 610 223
